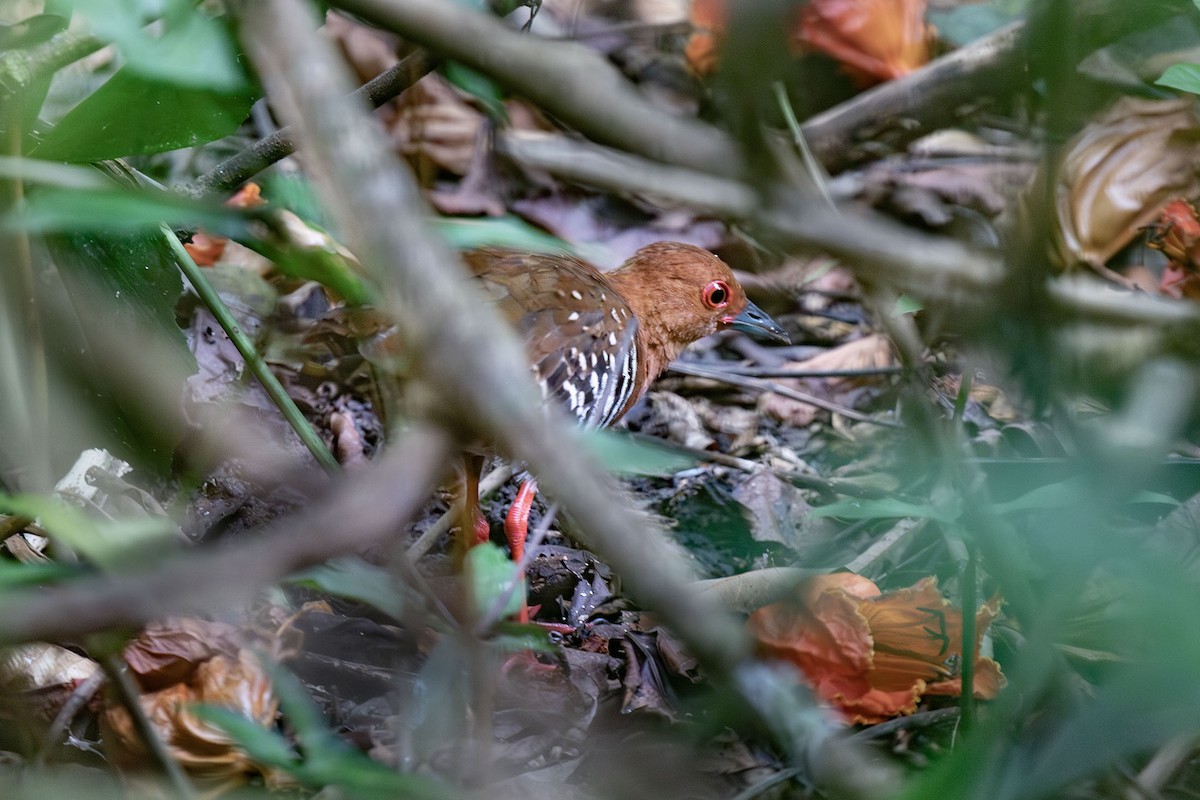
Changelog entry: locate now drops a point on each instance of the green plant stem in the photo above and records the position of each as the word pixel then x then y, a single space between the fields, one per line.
pixel 279 396
pixel 969 580
pixel 819 177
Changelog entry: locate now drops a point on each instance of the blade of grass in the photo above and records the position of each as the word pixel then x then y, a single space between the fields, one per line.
pixel 279 396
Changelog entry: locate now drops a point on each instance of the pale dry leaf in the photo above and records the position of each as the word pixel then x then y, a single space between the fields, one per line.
pixel 1119 172
pixel 435 122
pixel 865 353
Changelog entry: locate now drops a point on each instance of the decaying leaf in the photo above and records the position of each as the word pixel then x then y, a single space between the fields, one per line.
pixel 875 40
pixel 193 662
pixel 1177 234
pixel 1119 172
pixel 873 655
pixel 867 352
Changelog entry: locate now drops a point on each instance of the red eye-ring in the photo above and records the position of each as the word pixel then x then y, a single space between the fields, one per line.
pixel 717 294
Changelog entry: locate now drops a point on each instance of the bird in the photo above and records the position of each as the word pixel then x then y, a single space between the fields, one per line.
pixel 595 341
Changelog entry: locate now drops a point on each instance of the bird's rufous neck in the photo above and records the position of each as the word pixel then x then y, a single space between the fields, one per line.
pixel 656 341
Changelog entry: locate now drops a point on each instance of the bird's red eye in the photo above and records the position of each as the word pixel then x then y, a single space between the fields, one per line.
pixel 716 294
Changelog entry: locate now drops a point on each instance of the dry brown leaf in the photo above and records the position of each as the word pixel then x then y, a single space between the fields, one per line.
pixel 39 665
pixel 1119 172
pixel 867 352
pixel 238 683
pixel 167 652
pixel 435 123
pixel 875 40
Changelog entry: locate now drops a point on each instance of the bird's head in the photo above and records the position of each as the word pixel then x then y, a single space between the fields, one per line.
pixel 680 293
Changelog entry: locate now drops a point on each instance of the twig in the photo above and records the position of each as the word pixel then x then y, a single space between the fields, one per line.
pixel 232 172
pixel 697 371
pixel 130 697
pixel 279 396
pixel 20 69
pixel 922 719
pixel 931 95
pixel 80 696
pixel 767 372
pixel 490 483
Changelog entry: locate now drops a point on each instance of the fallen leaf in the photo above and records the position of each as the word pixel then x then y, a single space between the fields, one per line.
pixel 873 655
pixel 1119 172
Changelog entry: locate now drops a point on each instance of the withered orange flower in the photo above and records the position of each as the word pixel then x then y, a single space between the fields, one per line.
pixel 875 40
pixel 871 655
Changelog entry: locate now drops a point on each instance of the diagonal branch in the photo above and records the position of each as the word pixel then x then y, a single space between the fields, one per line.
pixel 570 81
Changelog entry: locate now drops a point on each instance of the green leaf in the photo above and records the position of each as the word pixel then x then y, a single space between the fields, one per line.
pixel 355 579
pixel 479 86
pixel 508 231
pixel 1071 492
pixel 187 48
pixel 263 745
pixel 623 454
pixel 118 211
pixel 16 575
pixel 491 576
pixel 886 508
pixel 110 544
pixel 906 305
pixel 1185 77
pixel 325 758
pixel 303 251
pixel 131 114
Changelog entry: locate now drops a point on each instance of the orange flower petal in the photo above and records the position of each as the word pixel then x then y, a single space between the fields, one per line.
pixel 876 40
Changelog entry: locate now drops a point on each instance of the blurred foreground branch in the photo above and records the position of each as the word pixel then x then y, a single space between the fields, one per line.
pixel 365 509
pixel 472 361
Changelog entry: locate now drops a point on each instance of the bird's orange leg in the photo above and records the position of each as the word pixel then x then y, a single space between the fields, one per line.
pixel 473 527
pixel 516 524
pixel 516 529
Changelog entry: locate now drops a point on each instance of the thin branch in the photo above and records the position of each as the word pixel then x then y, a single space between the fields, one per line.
pixel 684 368
pixel 238 169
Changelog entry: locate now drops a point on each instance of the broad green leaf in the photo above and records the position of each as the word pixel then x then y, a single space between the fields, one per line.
pixel 906 305
pixel 491 576
pixel 508 231
pixel 262 745
pixel 1185 77
pixel 109 544
pixel 355 579
pixel 118 211
pixel 186 47
pixel 623 454
pixel 886 508
pixel 485 90
pixel 1072 492
pixel 131 114
pixel 15 575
